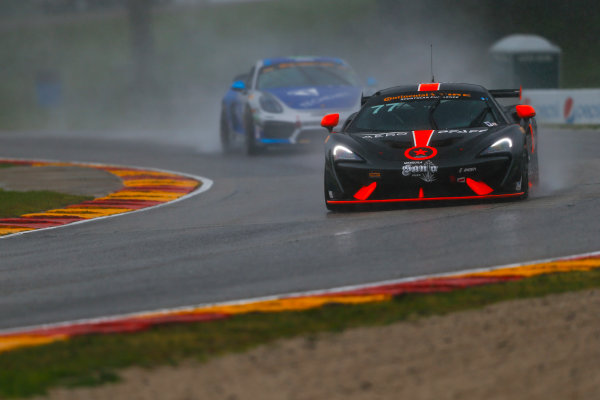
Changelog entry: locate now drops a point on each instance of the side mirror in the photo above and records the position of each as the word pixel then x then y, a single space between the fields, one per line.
pixel 330 121
pixel 238 86
pixel 525 111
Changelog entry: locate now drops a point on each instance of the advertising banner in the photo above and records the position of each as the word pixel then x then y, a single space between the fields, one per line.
pixel 568 106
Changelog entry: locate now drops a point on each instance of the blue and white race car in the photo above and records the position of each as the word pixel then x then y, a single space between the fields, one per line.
pixel 281 102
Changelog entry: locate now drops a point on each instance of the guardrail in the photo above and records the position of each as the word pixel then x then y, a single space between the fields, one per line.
pixel 565 106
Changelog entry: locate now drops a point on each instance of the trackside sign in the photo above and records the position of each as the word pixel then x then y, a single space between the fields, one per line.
pixel 571 106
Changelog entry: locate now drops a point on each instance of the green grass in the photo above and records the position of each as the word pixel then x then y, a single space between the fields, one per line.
pixel 14 204
pixel 96 359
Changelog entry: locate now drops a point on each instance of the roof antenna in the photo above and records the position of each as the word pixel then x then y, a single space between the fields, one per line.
pixel 432 76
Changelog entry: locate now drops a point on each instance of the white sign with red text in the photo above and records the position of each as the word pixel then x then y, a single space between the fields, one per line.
pixel 564 106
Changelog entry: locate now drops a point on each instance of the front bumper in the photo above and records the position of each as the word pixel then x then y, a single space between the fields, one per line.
pixel 347 182
pixel 297 129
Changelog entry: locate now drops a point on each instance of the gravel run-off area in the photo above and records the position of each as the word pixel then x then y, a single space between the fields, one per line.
pixel 545 348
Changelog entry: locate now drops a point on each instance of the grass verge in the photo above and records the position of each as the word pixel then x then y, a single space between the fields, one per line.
pixel 14 204
pixel 93 360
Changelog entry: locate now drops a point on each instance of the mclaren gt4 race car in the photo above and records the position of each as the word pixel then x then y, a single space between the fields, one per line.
pixel 431 142
pixel 281 102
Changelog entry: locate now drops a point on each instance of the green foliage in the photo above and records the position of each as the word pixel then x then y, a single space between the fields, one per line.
pixel 198 50
pixel 93 359
pixel 14 204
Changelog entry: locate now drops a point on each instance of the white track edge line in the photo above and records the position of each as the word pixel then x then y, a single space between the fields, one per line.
pixel 206 185
pixel 26 329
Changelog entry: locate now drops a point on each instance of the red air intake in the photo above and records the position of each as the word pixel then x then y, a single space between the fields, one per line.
pixel 479 187
pixel 365 191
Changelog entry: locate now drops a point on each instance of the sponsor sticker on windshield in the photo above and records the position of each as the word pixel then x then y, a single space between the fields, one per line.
pixel 301 64
pixel 428 95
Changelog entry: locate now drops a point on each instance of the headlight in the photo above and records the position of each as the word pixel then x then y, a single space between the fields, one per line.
pixel 500 146
pixel 270 104
pixel 342 153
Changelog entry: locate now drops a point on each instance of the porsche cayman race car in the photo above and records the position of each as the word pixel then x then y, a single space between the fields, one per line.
pixel 431 142
pixel 281 102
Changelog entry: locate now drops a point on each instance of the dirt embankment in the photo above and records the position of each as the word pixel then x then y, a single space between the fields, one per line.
pixel 547 348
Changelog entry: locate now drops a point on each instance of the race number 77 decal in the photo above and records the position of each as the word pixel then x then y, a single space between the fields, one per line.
pixel 390 107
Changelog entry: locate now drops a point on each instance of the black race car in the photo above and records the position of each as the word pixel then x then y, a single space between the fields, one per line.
pixel 428 142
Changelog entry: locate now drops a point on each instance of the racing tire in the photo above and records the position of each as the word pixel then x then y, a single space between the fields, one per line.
pixel 250 145
pixel 525 176
pixel 225 135
pixel 534 170
pixel 534 175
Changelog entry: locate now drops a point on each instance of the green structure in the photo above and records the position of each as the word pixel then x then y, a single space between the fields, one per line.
pixel 529 61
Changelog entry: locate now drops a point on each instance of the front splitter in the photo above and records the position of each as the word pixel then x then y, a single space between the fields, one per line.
pixel 419 199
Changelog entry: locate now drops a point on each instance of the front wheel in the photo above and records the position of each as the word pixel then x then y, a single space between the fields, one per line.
pixel 224 133
pixel 250 141
pixel 534 170
pixel 525 176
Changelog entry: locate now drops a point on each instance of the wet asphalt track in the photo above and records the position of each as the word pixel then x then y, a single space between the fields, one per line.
pixel 263 229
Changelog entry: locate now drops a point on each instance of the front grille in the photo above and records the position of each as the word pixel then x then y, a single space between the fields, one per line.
pixel 277 130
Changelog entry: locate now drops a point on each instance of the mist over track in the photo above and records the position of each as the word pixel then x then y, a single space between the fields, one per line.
pixel 263 229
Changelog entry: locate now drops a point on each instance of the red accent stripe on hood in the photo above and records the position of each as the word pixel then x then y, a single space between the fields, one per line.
pixel 428 87
pixel 422 138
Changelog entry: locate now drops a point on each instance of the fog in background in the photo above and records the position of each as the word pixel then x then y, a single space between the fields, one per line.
pixel 193 51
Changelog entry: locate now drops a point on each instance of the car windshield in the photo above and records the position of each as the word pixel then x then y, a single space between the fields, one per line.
pixel 305 74
pixel 418 111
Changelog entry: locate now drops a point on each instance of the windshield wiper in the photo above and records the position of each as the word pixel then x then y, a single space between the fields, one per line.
pixel 479 118
pixel 433 108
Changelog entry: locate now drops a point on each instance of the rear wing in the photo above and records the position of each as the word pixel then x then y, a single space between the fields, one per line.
pixel 506 93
